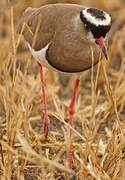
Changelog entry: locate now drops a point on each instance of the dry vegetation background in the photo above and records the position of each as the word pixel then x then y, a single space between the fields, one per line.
pixel 99 140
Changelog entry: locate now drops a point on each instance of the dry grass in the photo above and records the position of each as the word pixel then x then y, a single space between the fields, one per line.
pixel 99 140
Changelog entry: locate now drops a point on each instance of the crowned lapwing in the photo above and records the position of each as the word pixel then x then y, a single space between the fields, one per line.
pixel 63 37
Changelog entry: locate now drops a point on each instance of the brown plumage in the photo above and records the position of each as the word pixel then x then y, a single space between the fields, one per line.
pixel 60 25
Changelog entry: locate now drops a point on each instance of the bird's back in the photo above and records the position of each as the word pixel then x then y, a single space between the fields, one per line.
pixel 60 26
pixel 46 19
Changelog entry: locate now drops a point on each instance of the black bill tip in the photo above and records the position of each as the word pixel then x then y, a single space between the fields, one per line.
pixel 104 50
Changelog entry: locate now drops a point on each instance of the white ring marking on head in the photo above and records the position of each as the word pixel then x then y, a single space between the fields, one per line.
pixel 96 21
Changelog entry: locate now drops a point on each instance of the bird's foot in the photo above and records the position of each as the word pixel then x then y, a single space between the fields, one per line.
pixel 70 156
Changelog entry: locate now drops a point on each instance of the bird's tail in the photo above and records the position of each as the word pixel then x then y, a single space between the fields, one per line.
pixel 24 19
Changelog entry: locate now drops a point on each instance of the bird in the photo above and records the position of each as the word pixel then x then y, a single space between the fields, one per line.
pixel 63 37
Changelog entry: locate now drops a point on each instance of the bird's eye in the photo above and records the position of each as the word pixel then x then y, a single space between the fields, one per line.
pixel 87 27
pixel 96 41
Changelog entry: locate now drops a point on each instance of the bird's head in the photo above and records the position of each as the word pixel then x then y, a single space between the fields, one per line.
pixel 98 23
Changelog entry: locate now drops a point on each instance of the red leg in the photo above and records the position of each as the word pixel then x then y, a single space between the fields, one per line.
pixel 46 120
pixel 71 122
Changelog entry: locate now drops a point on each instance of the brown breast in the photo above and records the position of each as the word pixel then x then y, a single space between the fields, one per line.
pixel 60 25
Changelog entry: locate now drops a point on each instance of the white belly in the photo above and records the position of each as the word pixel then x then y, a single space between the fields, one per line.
pixel 40 55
